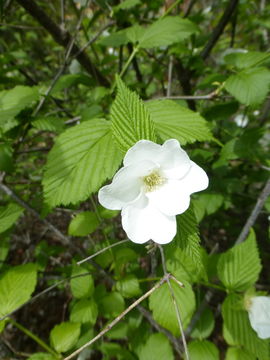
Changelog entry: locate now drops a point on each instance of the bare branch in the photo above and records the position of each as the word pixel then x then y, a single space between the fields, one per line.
pixel 119 317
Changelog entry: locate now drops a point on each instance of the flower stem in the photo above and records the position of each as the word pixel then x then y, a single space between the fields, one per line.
pixel 214 286
pixel 35 338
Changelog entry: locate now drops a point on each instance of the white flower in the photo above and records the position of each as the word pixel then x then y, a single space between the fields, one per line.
pixel 153 186
pixel 259 315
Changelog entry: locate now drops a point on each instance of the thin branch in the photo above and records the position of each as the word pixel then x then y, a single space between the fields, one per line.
pixel 101 251
pixel 63 38
pixel 218 30
pixel 179 320
pixel 119 317
pixel 255 213
pixel 170 70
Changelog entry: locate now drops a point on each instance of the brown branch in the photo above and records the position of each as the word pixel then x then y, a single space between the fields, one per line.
pixel 218 30
pixel 63 38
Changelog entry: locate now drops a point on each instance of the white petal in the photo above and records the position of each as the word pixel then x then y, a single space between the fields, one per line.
pixel 195 180
pixel 143 222
pixel 170 198
pixel 125 186
pixel 259 316
pixel 173 160
pixel 141 151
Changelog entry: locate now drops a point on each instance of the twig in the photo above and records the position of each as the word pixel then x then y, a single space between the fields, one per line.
pixel 101 251
pixel 218 30
pixel 180 324
pixel 63 38
pixel 119 317
pixel 170 70
pixel 209 96
pixel 9 192
pixel 255 212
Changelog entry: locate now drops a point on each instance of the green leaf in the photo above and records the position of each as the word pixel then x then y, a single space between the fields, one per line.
pixel 64 336
pixel 160 302
pixel 239 267
pixel 81 286
pixel 237 330
pixel 187 239
pixel 166 31
pixel 16 286
pixel 130 119
pixel 203 350
pixel 247 60
pixel 129 286
pixel 173 121
pixel 126 4
pixel 84 311
pixel 6 161
pixel 204 326
pixel 238 354
pixel 249 86
pixel 42 356
pixel 49 123
pixel 82 158
pixel 83 224
pixel 111 305
pixel 13 101
pixel 211 202
pixel 115 39
pixel 9 215
pixel 156 347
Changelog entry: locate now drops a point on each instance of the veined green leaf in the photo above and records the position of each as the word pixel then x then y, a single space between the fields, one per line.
pixel 130 118
pixel 177 122
pixel 64 336
pixel 236 353
pixel 204 326
pixel 84 311
pixel 83 224
pixel 240 266
pixel 126 4
pixel 237 330
pixel 249 86
pixel 166 31
pixel 161 303
pixel 203 350
pixel 9 215
pixel 82 158
pixel 157 347
pixel 247 60
pixel 16 287
pixel 81 286
pixel 14 101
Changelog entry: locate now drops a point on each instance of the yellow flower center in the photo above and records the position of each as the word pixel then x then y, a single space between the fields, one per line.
pixel 153 181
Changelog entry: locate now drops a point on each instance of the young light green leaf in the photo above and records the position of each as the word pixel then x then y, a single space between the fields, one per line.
pixel 249 86
pixel 166 31
pixel 130 119
pixel 16 286
pixel 42 356
pixel 235 353
pixel 115 39
pixel 111 305
pixel 156 347
pixel 239 267
pixel 203 350
pixel 64 336
pixel 175 121
pixel 83 224
pixel 81 286
pixel 237 330
pixel 160 302
pixel 84 311
pixel 9 215
pixel 82 158
pixel 49 123
pixel 126 4
pixel 13 101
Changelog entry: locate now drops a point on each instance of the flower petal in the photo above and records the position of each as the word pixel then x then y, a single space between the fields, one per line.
pixel 173 160
pixel 195 180
pixel 125 186
pixel 143 222
pixel 259 316
pixel 170 198
pixel 141 151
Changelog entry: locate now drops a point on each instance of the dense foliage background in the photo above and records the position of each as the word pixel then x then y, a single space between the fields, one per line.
pixel 208 64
